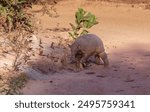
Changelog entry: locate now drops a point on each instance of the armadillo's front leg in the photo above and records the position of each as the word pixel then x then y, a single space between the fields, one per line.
pixel 81 61
pixel 85 58
pixel 78 65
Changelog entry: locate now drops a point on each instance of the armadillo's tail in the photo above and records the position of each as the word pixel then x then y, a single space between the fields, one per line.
pixel 104 57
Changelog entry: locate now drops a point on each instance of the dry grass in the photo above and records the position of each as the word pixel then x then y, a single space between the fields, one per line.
pixel 12 82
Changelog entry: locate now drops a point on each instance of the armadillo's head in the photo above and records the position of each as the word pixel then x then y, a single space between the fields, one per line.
pixel 76 53
pixel 104 57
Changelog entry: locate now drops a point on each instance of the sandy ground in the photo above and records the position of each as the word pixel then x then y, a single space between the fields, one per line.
pixel 125 32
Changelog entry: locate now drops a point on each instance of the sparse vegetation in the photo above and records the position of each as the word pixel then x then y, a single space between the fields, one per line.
pixel 14 84
pixel 49 10
pixel 19 45
pixel 14 13
pixel 84 21
pixel 16 29
pixel 11 79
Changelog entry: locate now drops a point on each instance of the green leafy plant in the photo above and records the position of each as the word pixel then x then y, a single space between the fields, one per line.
pixel 13 12
pixel 15 84
pixel 84 21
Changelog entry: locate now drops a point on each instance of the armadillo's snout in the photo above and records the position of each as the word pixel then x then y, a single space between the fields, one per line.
pixel 104 57
pixel 106 62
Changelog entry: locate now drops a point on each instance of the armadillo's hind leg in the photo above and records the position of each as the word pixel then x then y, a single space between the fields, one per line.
pixel 104 57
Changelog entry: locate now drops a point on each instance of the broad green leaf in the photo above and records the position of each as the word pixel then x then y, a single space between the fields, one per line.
pixel 84 20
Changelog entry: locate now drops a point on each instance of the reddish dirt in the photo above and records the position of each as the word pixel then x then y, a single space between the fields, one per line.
pixel 125 32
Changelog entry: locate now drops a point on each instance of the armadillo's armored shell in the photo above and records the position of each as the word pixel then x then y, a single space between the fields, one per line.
pixel 88 44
